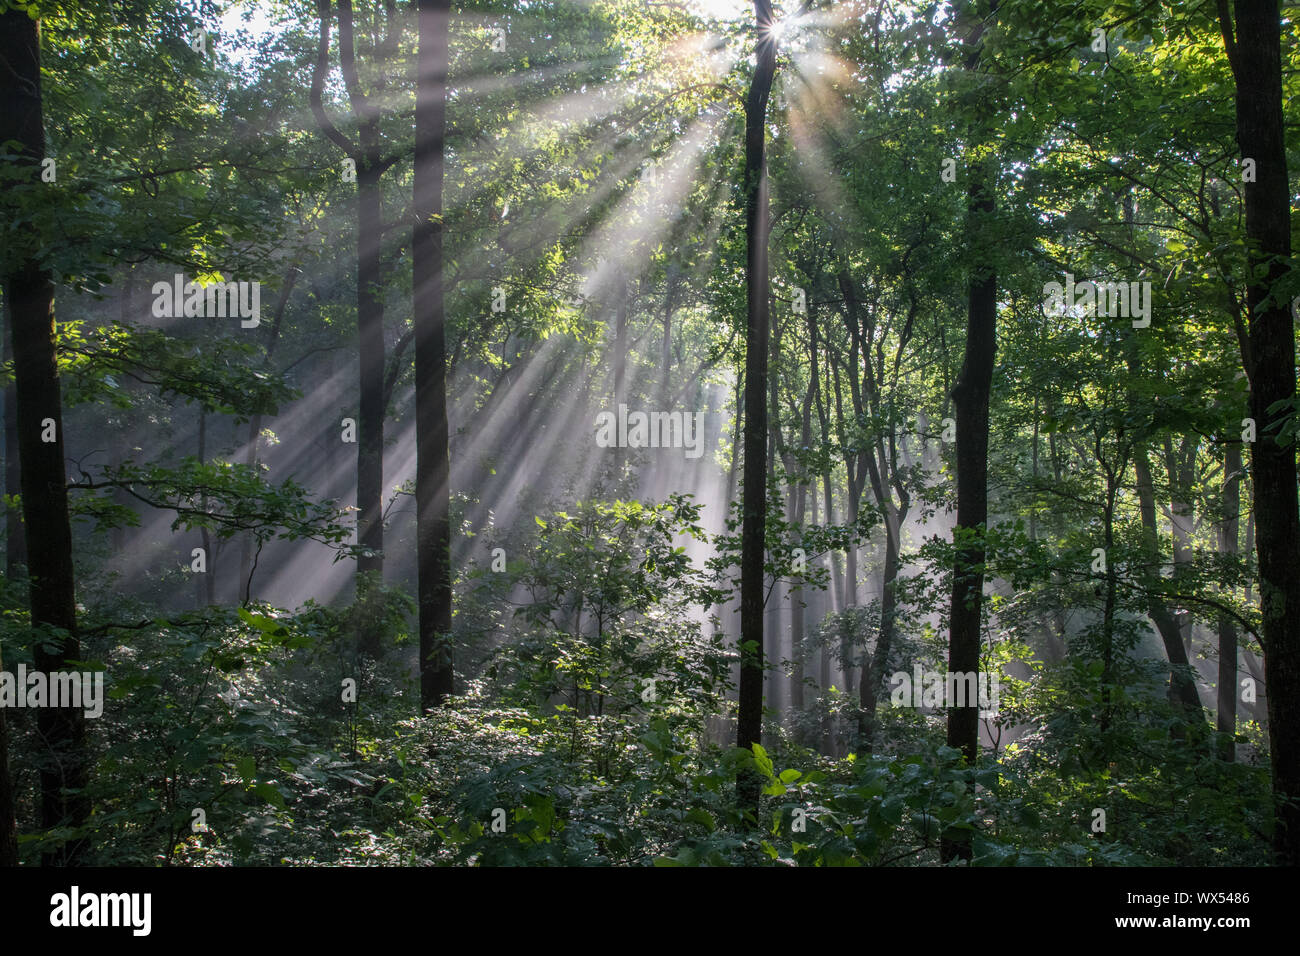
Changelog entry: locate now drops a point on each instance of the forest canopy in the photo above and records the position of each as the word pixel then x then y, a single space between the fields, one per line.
pixel 688 433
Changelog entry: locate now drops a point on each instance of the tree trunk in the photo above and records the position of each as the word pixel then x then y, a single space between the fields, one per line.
pixel 1230 516
pixel 1255 57
pixel 873 668
pixel 8 821
pixel 244 586
pixel 671 278
pixel 30 293
pixel 797 610
pixel 620 362
pixel 754 522
pixel 432 491
pixel 367 156
pixel 971 406
pixel 1182 681
pixel 205 585
pixel 370 421
pixel 15 533
pixel 970 395
pixel 1109 605
pixel 1180 465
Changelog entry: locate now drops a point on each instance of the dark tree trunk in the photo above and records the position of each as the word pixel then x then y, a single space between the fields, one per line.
pixel 971 409
pixel 15 533
pixel 970 395
pixel 1255 57
pixel 30 292
pixel 367 155
pixel 432 491
pixel 754 523
pixel 8 820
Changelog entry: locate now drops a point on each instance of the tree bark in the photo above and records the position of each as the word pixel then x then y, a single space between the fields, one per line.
pixel 30 292
pixel 1255 57
pixel 754 522
pixel 432 487
pixel 367 155
pixel 970 395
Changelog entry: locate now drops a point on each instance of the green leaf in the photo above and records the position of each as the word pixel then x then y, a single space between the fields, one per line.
pixel 270 794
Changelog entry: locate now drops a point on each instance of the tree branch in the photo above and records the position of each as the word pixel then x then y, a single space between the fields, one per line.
pixel 319 70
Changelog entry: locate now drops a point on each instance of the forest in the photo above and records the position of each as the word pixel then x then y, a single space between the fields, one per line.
pixel 649 434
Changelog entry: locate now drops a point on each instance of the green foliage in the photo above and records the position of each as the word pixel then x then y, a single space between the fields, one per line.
pixel 593 669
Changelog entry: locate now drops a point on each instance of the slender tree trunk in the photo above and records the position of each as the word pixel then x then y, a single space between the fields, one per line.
pixel 205 584
pixel 620 361
pixel 754 523
pixel 1229 519
pixel 1109 605
pixel 30 292
pixel 120 443
pixel 244 585
pixel 797 609
pixel 873 668
pixel 370 421
pixel 671 278
pixel 1249 544
pixel 1180 465
pixel 432 491
pixel 1255 57
pixel 798 617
